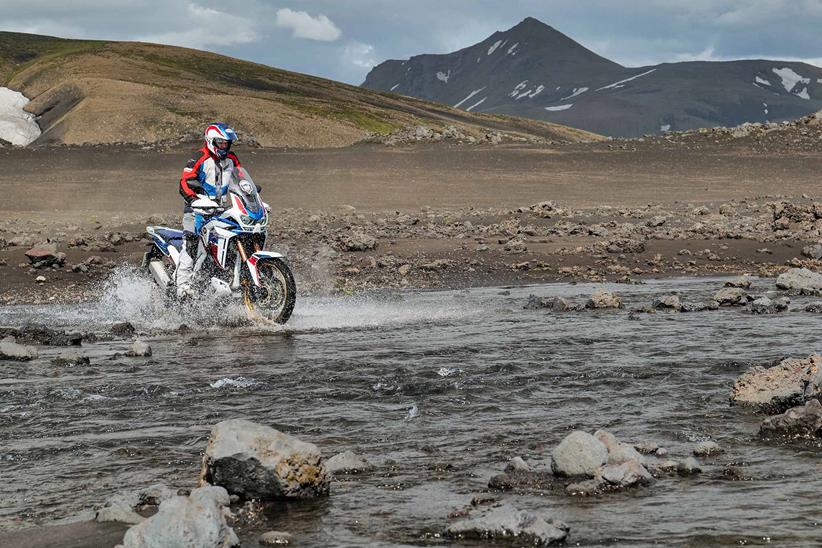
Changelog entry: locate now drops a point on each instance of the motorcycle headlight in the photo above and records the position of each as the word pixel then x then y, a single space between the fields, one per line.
pixel 246 220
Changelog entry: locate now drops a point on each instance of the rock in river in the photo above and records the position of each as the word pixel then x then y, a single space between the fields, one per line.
pixel 10 350
pixel 775 389
pixel 766 305
pixel 618 452
pixel 731 296
pixel 347 463
pixel 257 462
pixel 196 521
pixel 604 299
pixel 797 422
pixel 579 454
pixel 800 280
pixel 504 522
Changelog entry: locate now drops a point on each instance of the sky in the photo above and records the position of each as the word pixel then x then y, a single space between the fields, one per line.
pixel 343 39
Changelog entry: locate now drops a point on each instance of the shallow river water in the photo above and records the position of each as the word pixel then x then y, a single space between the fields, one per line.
pixel 438 390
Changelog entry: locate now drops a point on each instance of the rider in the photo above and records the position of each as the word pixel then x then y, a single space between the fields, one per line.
pixel 206 174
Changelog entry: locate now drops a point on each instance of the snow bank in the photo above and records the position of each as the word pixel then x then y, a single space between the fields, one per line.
pixel 16 125
pixel 759 80
pixel 475 105
pixel 395 86
pixel 621 83
pixel 443 77
pixel 559 107
pixel 665 127
pixel 493 48
pixel 577 91
pixel 790 78
pixel 469 96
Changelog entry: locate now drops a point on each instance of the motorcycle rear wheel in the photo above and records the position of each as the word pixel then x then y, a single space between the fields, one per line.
pixel 274 300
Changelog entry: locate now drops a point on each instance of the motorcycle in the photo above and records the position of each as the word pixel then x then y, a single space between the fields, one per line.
pixel 230 251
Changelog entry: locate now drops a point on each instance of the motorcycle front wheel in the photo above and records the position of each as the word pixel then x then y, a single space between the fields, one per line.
pixel 276 296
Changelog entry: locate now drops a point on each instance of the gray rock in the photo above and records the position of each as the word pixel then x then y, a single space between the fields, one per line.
pixel 504 522
pixel 347 463
pixel 123 329
pixel 358 241
pixel 668 302
pixel 275 538
pixel 555 304
pixel 45 256
pixel 123 507
pixel 517 464
pixel 800 280
pixel 797 422
pixel 731 296
pixel 604 299
pixel 585 488
pixel 688 467
pixel 765 305
pixel 742 282
pixel 627 474
pixel 813 251
pixel 139 349
pixel 815 308
pixel 775 389
pixel 10 350
pixel 707 448
pixel 579 454
pixel 196 521
pixel 257 462
pixel 618 452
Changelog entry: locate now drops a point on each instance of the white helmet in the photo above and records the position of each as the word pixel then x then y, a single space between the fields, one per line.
pixel 218 138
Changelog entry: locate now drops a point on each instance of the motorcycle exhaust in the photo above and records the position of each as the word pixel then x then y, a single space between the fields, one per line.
pixel 159 272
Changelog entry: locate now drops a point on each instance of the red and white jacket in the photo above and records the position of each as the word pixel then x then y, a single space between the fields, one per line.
pixel 205 174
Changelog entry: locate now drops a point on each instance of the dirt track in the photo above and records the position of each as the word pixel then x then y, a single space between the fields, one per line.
pixel 68 192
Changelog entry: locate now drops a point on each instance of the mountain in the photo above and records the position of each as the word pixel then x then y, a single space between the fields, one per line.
pixel 535 71
pixel 98 92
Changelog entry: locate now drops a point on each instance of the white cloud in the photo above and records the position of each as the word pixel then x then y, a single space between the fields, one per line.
pixel 207 28
pixel 302 25
pixel 360 55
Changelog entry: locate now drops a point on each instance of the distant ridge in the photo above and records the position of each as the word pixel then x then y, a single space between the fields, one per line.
pixel 535 71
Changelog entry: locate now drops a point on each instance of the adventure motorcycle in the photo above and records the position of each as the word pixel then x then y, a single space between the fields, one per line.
pixel 230 251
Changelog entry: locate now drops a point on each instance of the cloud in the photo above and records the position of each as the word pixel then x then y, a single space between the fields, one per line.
pixel 360 55
pixel 302 25
pixel 207 28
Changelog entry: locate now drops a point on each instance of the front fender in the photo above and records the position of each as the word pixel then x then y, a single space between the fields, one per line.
pixel 255 259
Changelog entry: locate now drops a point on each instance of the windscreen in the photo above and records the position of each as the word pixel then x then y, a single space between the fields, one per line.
pixel 243 186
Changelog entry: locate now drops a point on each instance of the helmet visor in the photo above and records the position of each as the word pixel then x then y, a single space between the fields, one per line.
pixel 221 144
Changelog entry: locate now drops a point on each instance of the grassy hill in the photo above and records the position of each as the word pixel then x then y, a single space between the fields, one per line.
pixel 89 92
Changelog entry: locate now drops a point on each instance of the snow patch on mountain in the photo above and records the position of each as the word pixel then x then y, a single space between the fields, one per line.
pixel 576 92
pixel 621 83
pixel 804 94
pixel 518 88
pixel 470 95
pixel 493 48
pixel 475 105
pixel 665 127
pixel 395 86
pixel 759 80
pixel 513 49
pixel 790 78
pixel 443 77
pixel 16 125
pixel 559 107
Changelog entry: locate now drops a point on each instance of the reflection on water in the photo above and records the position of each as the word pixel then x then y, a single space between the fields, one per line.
pixel 438 389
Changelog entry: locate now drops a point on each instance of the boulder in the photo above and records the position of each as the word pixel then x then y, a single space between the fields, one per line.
pixel 358 241
pixel 555 304
pixel 585 488
pixel 813 251
pixel 707 448
pixel 796 422
pixel 742 282
pixel 45 256
pixel 196 521
pixel 517 464
pixel 618 452
pixel 10 350
pixel 628 474
pixel 123 507
pixel 139 349
pixel 668 302
pixel 766 305
pixel 775 389
pixel 258 462
pixel 604 299
pixel 123 329
pixel 800 280
pixel 688 467
pixel 815 308
pixel 579 454
pixel 731 296
pixel 275 538
pixel 502 521
pixel 347 463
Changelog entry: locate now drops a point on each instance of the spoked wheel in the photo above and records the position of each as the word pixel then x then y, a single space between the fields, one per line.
pixel 275 298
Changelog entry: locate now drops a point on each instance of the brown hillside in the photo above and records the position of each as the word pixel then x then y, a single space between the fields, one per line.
pixel 91 92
